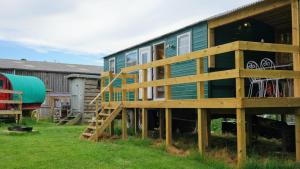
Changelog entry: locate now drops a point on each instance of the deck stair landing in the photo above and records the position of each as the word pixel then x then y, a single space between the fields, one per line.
pixel 103 119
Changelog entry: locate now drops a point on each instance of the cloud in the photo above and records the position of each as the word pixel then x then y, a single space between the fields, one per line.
pixel 99 26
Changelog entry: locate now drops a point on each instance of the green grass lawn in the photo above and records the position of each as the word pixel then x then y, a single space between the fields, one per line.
pixel 60 147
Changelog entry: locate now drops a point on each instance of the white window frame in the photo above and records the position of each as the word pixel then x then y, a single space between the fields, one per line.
pixel 109 64
pixel 190 41
pixel 137 56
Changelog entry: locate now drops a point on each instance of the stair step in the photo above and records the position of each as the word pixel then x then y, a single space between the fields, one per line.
pixel 94 121
pixel 92 127
pixel 87 134
pixel 104 114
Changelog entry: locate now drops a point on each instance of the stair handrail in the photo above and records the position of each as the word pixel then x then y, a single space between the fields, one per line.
pixel 105 88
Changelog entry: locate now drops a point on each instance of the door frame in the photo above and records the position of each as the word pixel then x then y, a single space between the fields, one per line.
pixel 154 70
pixel 150 74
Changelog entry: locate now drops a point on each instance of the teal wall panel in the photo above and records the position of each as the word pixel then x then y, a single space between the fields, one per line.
pixel 199 41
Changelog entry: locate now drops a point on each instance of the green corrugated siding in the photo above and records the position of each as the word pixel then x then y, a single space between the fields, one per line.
pixel 199 41
pixel 182 91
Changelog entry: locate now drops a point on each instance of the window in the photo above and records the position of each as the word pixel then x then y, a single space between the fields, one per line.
pixel 184 43
pixel 1 84
pixel 112 65
pixel 131 58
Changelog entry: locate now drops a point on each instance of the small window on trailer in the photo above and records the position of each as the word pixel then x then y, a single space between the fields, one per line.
pixel 112 65
pixel 131 58
pixel 1 84
pixel 184 43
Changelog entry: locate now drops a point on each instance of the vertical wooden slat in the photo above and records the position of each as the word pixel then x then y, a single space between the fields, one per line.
pixel 167 87
pixel 211 43
pixel 110 88
pixel 168 127
pixel 144 111
pixel 296 65
pixel 240 113
pixel 136 91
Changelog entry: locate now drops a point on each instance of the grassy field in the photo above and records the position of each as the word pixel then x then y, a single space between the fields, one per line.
pixel 59 147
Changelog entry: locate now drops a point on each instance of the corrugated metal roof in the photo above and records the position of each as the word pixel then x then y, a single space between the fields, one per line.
pixel 49 66
pixel 204 20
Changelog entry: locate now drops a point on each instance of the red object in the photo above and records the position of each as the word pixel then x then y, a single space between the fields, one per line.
pixel 5 85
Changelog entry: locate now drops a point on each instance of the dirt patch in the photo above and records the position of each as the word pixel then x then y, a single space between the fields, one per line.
pixel 178 152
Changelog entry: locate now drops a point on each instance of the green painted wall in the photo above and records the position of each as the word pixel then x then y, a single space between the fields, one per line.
pixel 199 41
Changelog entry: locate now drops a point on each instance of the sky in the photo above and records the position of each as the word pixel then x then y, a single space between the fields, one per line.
pixel 83 31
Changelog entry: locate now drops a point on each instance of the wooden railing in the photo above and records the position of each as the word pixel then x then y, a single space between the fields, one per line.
pixel 239 73
pixel 15 106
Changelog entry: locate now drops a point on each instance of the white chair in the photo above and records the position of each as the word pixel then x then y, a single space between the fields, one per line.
pixel 268 64
pixel 259 82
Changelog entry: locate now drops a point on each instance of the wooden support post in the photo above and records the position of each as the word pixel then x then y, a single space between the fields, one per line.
pixel 241 137
pixel 240 113
pixel 168 111
pixel 112 128
pixel 144 123
pixel 124 111
pixel 168 127
pixel 145 111
pixel 201 113
pixel 124 124
pixel 296 65
pixel 208 129
pixel 136 91
pixel 202 130
pixel 211 43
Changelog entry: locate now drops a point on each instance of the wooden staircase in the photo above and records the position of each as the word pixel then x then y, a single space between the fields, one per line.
pixel 103 119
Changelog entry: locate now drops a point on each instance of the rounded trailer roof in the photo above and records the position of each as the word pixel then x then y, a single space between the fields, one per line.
pixel 33 88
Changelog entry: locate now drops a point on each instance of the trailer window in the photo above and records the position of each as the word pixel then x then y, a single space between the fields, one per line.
pixel 112 65
pixel 131 58
pixel 1 84
pixel 184 43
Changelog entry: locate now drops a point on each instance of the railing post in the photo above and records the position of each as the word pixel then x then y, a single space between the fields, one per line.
pixel 240 112
pixel 168 111
pixel 201 113
pixel 136 91
pixel 124 111
pixel 144 110
pixel 110 88
pixel 296 65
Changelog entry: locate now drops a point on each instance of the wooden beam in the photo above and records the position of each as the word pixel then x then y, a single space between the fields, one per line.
pixel 168 127
pixel 189 56
pixel 10 112
pixel 241 136
pixel 267 47
pixel 124 124
pixel 10 102
pixel 270 102
pixel 226 74
pixel 144 123
pixel 240 82
pixel 11 91
pixel 145 89
pixel 243 13
pixel 202 130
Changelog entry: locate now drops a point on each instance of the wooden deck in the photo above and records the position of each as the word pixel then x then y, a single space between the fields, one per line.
pixel 240 106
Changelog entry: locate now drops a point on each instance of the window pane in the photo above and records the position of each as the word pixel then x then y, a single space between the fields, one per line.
pixel 112 66
pixel 144 58
pixel 183 44
pixel 1 84
pixel 131 59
